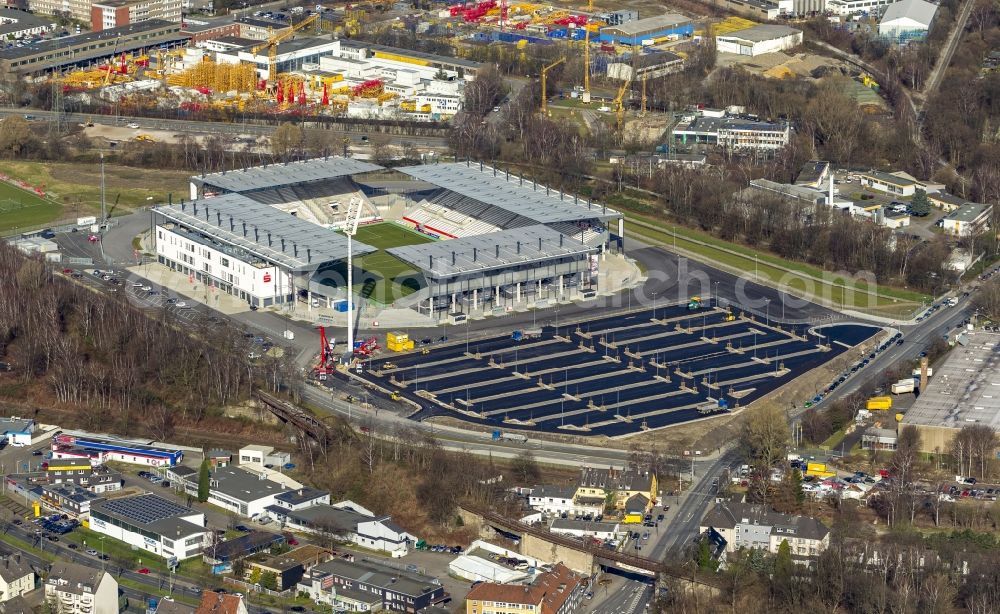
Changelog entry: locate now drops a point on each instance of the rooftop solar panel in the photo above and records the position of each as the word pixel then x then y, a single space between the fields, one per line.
pixel 143 509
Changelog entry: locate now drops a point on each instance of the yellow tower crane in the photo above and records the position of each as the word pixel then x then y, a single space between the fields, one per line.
pixel 619 104
pixel 545 73
pixel 643 107
pixel 271 44
pixel 586 68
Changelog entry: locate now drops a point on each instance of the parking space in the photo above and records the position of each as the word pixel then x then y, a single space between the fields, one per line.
pixel 616 375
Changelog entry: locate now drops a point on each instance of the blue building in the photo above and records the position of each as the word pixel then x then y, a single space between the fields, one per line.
pixel 649 29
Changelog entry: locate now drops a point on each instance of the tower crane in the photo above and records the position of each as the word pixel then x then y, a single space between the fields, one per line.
pixel 545 72
pixel 619 104
pixel 271 44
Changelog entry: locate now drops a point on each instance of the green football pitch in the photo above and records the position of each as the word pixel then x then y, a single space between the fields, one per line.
pixel 379 276
pixel 20 208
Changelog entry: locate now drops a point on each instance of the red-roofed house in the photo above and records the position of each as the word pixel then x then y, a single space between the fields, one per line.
pixel 219 603
pixel 555 592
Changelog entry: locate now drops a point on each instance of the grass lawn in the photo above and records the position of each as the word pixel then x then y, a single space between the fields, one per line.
pixel 839 290
pixel 380 276
pixel 77 186
pixel 20 208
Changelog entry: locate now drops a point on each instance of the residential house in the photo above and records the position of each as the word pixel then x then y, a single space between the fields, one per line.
pixel 69 499
pixel 620 484
pixel 555 592
pixel 340 583
pixel 968 220
pixel 168 606
pixel 372 532
pixel 259 457
pixel 75 589
pixel 80 471
pixel 562 499
pixel 287 570
pixel 16 605
pixel 16 577
pixel 748 525
pixel 302 498
pixel 221 603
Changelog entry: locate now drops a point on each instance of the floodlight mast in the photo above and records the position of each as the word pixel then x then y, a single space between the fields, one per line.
pixel 353 216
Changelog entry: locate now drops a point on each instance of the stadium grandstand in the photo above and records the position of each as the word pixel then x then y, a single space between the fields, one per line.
pixel 272 235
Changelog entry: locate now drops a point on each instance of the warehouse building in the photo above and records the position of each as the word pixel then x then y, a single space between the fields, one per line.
pixel 645 66
pixel 960 393
pixel 152 523
pixel 758 40
pixel 907 20
pixel 89 49
pixel 648 31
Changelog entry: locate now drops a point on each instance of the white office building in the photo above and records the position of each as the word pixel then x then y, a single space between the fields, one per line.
pixel 150 522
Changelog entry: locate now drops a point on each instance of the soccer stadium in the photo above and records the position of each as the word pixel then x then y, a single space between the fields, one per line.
pixel 617 375
pixel 443 239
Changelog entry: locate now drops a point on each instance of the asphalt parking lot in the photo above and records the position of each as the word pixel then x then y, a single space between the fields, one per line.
pixel 615 375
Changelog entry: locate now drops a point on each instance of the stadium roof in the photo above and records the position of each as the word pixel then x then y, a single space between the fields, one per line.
pixel 510 193
pixel 493 250
pixel 263 231
pixel 277 175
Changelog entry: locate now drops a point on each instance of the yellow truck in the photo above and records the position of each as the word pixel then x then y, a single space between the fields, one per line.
pixel 879 403
pixel 819 470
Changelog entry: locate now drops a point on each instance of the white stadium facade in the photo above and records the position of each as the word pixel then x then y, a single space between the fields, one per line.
pixel 270 235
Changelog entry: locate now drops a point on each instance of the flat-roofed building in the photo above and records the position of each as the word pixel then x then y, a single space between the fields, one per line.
pixel 647 31
pixel 107 14
pixel 968 220
pixel 960 394
pixel 397 590
pixel 759 40
pixel 89 49
pixel 152 523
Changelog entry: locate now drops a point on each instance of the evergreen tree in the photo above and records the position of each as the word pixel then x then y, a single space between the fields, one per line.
pixel 919 205
pixel 203 481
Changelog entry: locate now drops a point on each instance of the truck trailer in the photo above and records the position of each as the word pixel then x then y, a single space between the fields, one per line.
pixel 499 435
pixel 903 386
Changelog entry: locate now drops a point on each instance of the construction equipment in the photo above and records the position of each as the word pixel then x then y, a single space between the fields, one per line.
pixel 694 303
pixel 271 44
pixel 326 358
pixel 545 72
pixel 619 104
pixel 642 112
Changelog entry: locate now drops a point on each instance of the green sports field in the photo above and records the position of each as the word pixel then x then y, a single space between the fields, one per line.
pixel 379 276
pixel 20 208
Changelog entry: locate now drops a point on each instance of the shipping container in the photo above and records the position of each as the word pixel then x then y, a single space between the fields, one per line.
pixel 879 403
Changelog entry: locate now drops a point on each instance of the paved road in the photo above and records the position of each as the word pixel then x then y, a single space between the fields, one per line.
pixel 941 66
pixel 206 127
